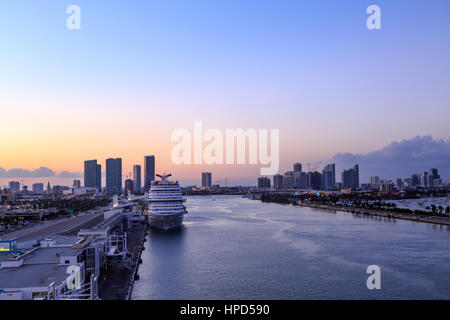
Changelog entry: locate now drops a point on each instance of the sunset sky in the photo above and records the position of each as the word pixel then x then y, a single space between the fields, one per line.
pixel 137 70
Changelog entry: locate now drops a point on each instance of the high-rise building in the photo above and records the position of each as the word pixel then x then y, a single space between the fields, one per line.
pixel 350 178
pixel 149 171
pixel 314 180
pixel 137 179
pixel 299 179
pixel 329 177
pixel 263 183
pixel 434 173
pixel 430 181
pixel 434 178
pixel 375 180
pixel 308 179
pixel 129 186
pixel 288 180
pixel 14 186
pixel 297 167
pixel 415 180
pixel 278 181
pixel 38 188
pixel 114 176
pixel 206 179
pixel 399 183
pixel 93 175
pixel 424 179
pixel 98 180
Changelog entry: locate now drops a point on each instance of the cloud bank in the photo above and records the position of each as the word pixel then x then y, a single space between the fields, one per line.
pixel 42 172
pixel 400 159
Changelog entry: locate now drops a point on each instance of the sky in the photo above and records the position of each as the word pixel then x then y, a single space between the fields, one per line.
pixel 138 70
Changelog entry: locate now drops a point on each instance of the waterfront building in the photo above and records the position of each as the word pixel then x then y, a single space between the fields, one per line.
pixel 350 178
pixel 38 188
pixel 299 179
pixel 314 180
pixel 399 183
pixel 137 179
pixel 278 181
pixel 415 180
pixel 263 183
pixel 14 186
pixel 149 172
pixel 297 167
pixel 308 179
pixel 206 179
pixel 93 175
pixel 424 179
pixel 434 179
pixel 329 177
pixel 114 176
pixel 288 180
pixel 434 173
pixel 406 182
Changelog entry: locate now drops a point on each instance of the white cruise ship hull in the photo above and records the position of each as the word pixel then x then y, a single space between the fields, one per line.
pixel 165 221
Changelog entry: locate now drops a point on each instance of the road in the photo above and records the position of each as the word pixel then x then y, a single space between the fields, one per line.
pixel 51 227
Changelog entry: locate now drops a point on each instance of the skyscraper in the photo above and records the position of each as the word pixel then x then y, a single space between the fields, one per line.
pixel 38 188
pixel 288 180
pixel 314 180
pixel 415 180
pixel 299 179
pixel 375 180
pixel 137 179
pixel 263 183
pixel 98 180
pixel 350 178
pixel 297 167
pixel 114 176
pixel 93 175
pixel 129 186
pixel 329 177
pixel 14 186
pixel 149 171
pixel 278 181
pixel 399 183
pixel 206 179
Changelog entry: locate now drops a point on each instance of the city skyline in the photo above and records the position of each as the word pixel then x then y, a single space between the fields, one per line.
pixel 311 60
pixel 405 157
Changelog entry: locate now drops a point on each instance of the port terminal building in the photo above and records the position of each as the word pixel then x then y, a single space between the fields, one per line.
pixel 61 267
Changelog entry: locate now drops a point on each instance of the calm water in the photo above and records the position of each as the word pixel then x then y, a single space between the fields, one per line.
pixel 235 248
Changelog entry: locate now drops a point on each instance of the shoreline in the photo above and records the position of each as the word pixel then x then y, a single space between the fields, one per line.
pixel 385 214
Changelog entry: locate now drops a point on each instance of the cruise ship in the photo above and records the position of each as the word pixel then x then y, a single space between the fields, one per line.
pixel 165 209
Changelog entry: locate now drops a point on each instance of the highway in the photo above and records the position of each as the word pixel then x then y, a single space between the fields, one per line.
pixel 61 225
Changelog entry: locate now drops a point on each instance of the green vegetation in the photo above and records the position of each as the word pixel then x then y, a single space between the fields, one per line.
pixel 355 201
